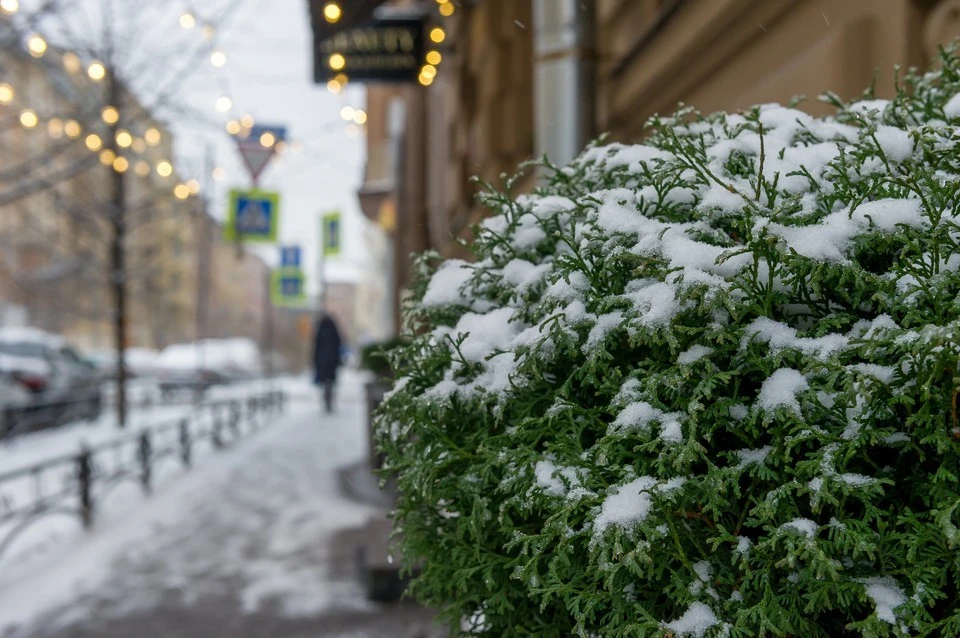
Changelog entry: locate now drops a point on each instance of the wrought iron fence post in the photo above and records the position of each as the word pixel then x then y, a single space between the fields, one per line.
pixel 85 486
pixel 145 459
pixel 215 436
pixel 235 415
pixel 185 442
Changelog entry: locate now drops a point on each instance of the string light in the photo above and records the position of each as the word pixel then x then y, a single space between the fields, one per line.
pixel 187 21
pixel 424 80
pixel 219 174
pixel 28 118
pixel 71 62
pixel 110 115
pixel 267 140
pixel 224 104
pixel 55 128
pixel 72 129
pixel 193 186
pixel 107 157
pixel 332 12
pixel 233 127
pixel 93 142
pixel 247 121
pixel 152 136
pixel 360 116
pixel 446 9
pixel 10 6
pixel 334 87
pixel 124 139
pixel 37 46
pixel 142 168
pixel 121 164
pixel 434 57
pixel 438 35
pixel 347 113
pixel 428 71
pixel 164 169
pixel 181 191
pixel 218 58
pixel 337 62
pixel 96 71
pixel 6 93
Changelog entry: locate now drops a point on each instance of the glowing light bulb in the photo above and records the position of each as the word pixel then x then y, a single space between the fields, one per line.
pixel 428 71
pixel 152 136
pixel 181 191
pixel 247 121
pixel 71 62
pixel 267 140
pixel 438 35
pixel 10 6
pixel 219 174
pixel 193 186
pixel 28 118
pixel 55 128
pixel 446 9
pixel 233 127
pixel 337 61
pixel 124 139
pixel 121 164
pixel 332 12
pixel 218 58
pixel 164 168
pixel 347 113
pixel 334 87
pixel 6 93
pixel 96 71
pixel 224 104
pixel 107 157
pixel 72 129
pixel 93 142
pixel 110 115
pixel 434 58
pixel 37 46
pixel 187 21
pixel 360 117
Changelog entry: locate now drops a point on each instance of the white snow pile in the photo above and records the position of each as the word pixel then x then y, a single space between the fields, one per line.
pixel 741 335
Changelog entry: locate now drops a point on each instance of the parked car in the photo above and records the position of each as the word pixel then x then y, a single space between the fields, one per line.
pixel 61 385
pixel 201 365
pixel 14 403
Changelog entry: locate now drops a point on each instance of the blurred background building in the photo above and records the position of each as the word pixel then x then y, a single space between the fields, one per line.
pixel 513 79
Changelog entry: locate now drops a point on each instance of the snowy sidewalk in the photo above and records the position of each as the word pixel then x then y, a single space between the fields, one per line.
pixel 254 542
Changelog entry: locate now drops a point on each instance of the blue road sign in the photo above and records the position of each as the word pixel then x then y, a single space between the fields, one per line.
pixel 331 234
pixel 290 257
pixel 288 287
pixel 258 130
pixel 253 215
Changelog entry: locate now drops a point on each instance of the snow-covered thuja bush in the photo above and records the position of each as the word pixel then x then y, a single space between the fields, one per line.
pixel 703 386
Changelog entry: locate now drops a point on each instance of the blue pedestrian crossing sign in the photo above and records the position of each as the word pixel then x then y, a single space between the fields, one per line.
pixel 290 256
pixel 253 215
pixel 330 234
pixel 288 287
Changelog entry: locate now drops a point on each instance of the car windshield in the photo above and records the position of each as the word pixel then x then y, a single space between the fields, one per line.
pixel 22 349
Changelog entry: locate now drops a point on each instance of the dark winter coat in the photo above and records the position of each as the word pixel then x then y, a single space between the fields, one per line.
pixel 326 350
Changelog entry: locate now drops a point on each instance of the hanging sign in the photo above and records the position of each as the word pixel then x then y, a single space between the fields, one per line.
pixel 384 50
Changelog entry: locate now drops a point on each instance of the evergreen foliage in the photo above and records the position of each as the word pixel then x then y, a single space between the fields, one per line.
pixel 706 386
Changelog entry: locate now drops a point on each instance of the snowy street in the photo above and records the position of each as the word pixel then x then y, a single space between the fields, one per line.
pixel 254 541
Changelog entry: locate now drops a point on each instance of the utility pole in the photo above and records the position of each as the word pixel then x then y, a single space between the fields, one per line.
pixel 118 271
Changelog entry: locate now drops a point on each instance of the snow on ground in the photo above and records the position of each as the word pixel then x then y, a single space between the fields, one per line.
pixel 247 528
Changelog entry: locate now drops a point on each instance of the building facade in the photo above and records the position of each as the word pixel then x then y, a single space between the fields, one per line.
pixel 520 78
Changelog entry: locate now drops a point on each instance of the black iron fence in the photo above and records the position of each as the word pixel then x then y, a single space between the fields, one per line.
pixel 76 484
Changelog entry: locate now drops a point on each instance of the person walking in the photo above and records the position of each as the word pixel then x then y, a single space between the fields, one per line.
pixel 326 357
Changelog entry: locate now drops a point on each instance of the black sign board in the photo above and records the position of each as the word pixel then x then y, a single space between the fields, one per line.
pixel 384 50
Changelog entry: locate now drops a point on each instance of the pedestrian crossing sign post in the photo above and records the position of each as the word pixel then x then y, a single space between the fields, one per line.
pixel 290 256
pixel 288 287
pixel 330 234
pixel 253 216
